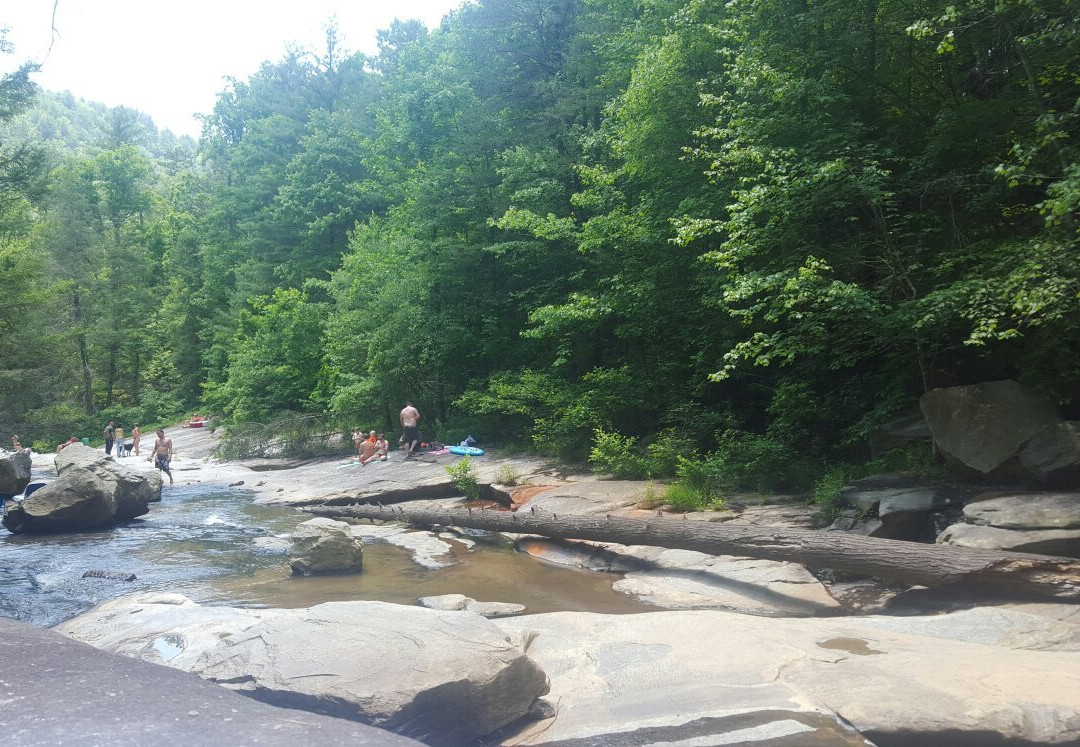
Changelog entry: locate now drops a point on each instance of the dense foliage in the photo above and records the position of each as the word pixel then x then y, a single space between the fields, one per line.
pixel 725 241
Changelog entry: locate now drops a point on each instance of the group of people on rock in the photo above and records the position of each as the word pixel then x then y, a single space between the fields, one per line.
pixel 114 435
pixel 370 448
pixel 161 456
pixel 374 448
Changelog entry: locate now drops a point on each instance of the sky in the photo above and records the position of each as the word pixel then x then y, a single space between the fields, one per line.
pixel 169 59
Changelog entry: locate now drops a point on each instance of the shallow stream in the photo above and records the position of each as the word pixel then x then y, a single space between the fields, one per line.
pixel 211 545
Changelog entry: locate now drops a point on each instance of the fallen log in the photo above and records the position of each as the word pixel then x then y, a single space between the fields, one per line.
pixel 907 562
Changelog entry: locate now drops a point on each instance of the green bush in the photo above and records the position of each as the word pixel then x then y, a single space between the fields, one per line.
pixel 683 497
pixel 827 491
pixel 614 455
pixel 760 462
pixel 704 476
pixel 665 452
pixel 463 476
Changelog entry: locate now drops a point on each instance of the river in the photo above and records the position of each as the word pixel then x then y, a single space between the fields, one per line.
pixel 214 545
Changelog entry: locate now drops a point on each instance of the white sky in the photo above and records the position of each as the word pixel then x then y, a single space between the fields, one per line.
pixel 170 59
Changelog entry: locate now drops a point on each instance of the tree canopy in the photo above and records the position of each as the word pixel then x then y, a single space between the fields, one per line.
pixel 676 234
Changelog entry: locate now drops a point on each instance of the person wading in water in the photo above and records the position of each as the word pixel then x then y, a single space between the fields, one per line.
pixel 162 455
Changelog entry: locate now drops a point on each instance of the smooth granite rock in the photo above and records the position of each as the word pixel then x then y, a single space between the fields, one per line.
pixel 937 680
pixel 442 677
pixel 1063 542
pixel 1027 511
pixel 682 579
pixel 984 426
pixel 1053 455
pixel 323 545
pixel 14 472
pixel 56 691
pixel 92 492
pixel 462 602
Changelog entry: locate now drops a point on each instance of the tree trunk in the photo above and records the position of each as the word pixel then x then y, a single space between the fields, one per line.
pixel 84 354
pixel 908 562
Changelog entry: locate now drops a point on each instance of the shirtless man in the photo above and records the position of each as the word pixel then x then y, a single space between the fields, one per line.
pixel 368 453
pixel 410 420
pixel 162 454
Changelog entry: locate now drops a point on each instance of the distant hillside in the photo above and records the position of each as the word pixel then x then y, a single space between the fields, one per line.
pixel 73 125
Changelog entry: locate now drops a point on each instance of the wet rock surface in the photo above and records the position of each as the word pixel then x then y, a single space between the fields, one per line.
pixel 443 677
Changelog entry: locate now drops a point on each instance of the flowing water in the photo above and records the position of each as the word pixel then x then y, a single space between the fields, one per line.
pixel 214 545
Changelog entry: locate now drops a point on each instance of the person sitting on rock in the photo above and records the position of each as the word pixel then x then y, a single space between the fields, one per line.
pixel 15 445
pixel 382 448
pixel 367 451
pixel 62 446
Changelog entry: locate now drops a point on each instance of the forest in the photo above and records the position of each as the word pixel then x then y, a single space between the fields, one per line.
pixel 720 241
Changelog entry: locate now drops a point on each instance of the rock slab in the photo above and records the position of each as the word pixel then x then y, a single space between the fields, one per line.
pixel 59 691
pixel 684 579
pixel 462 602
pixel 1063 542
pixel 324 545
pixel 442 677
pixel 941 679
pixel 1049 510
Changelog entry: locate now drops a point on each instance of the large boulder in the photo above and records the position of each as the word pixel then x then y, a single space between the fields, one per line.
pixel 984 426
pixel 444 677
pixel 1053 455
pixel 135 486
pixel 91 492
pixel 1049 510
pixel 1064 542
pixel 14 472
pixel 325 546
pixel 969 677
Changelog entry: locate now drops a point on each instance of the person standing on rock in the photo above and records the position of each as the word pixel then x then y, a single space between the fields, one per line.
pixel 118 439
pixel 162 455
pixel 410 425
pixel 136 434
pixel 110 434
